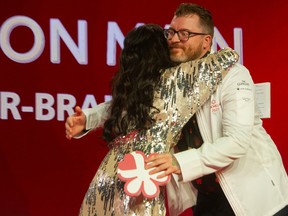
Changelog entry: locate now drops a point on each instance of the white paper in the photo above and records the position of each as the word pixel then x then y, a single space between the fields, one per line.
pixel 263 99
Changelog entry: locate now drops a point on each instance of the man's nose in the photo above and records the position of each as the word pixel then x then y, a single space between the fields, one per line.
pixel 175 38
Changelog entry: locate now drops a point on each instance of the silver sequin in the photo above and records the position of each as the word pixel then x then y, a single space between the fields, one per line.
pixel 181 92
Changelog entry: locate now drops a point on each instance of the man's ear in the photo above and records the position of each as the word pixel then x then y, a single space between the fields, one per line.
pixel 207 42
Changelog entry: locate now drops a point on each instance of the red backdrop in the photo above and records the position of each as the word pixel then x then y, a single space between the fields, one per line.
pixel 47 68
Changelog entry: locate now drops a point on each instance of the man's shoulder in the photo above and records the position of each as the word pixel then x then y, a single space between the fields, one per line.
pixel 238 70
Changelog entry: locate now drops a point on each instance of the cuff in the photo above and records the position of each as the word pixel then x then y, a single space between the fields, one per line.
pixel 190 164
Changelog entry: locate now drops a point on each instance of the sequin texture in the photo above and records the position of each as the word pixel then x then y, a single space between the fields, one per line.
pixel 180 93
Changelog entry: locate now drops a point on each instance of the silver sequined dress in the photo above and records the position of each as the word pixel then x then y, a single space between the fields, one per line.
pixel 182 91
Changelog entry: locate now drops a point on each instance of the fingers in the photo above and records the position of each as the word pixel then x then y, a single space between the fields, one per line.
pixel 69 124
pixel 159 168
pixel 68 127
pixel 79 117
pixel 69 137
pixel 162 162
pixel 169 171
pixel 78 111
pixel 75 123
pixel 156 160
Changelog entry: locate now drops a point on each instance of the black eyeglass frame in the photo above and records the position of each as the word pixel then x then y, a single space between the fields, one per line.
pixel 190 34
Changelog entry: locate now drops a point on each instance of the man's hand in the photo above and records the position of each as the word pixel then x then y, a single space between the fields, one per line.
pixel 163 162
pixel 75 123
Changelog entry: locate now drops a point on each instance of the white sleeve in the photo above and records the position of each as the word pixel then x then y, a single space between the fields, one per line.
pixel 95 117
pixel 237 120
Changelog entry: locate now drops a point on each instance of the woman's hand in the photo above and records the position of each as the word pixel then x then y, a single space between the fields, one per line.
pixel 163 162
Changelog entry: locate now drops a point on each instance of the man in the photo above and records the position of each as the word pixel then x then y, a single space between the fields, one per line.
pixel 225 151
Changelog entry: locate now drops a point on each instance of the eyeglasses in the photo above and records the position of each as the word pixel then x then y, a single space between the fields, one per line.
pixel 183 35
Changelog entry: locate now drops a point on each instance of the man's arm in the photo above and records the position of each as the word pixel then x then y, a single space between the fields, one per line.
pixel 234 132
pixel 83 121
pixel 237 122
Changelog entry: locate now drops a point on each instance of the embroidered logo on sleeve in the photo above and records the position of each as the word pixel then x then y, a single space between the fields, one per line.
pixel 245 103
pixel 243 85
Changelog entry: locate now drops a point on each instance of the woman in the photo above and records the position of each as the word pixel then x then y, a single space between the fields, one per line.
pixel 152 101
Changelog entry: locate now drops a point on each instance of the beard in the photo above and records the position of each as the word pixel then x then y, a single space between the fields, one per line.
pixel 184 54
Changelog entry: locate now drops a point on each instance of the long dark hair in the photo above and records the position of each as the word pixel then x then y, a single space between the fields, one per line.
pixel 144 55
